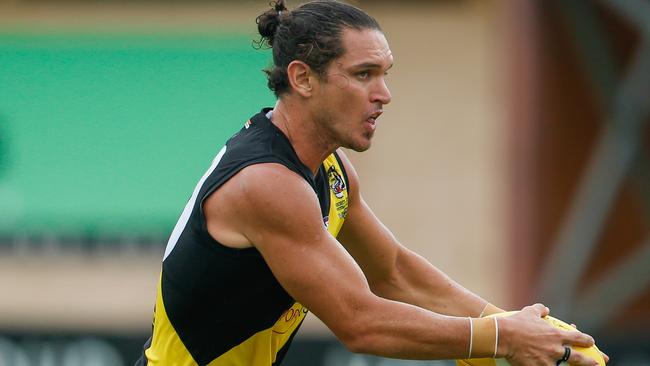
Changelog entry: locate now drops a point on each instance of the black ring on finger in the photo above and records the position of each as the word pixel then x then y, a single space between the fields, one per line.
pixel 567 354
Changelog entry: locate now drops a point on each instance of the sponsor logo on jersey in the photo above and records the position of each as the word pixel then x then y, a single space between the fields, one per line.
pixel 248 124
pixel 290 319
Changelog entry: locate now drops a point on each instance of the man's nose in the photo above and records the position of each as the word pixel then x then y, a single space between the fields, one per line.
pixel 381 94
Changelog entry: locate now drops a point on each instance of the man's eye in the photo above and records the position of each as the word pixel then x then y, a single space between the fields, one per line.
pixel 363 74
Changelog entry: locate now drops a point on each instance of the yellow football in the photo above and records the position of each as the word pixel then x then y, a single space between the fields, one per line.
pixel 592 351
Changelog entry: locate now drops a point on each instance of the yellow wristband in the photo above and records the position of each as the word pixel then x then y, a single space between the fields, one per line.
pixel 484 337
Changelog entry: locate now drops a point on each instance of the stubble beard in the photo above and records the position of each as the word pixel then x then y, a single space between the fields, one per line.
pixel 326 123
pixel 362 148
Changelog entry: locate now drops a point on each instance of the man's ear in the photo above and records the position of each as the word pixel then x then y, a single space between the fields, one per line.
pixel 300 78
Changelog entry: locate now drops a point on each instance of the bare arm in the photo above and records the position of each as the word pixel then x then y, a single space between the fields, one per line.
pixel 395 272
pixel 279 214
pixel 270 207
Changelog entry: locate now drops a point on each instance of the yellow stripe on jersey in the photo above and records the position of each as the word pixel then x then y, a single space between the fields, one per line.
pixel 166 347
pixel 338 195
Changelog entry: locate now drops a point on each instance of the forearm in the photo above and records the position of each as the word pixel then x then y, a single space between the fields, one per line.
pixel 416 281
pixel 411 332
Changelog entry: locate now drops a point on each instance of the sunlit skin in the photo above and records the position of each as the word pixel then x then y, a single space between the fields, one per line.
pixel 340 108
pixel 355 90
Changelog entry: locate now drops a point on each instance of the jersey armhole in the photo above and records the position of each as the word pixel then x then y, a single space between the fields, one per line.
pixel 215 187
pixel 345 174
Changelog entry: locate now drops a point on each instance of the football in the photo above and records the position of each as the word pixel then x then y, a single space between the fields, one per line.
pixel 592 351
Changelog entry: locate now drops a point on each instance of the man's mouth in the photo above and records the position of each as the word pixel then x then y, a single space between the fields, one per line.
pixel 372 119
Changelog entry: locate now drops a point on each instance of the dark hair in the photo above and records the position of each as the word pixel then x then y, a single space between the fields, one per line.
pixel 311 33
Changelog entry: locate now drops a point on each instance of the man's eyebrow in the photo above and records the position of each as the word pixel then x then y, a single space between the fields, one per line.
pixel 370 65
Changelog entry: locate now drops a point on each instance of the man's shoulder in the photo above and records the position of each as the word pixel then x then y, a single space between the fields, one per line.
pixel 266 172
pixel 266 186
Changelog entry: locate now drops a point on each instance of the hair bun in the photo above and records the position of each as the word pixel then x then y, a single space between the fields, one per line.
pixel 268 22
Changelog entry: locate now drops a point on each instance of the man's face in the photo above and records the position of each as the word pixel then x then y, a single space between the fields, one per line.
pixel 352 94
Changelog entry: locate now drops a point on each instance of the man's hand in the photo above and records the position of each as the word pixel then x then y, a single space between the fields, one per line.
pixel 605 356
pixel 530 340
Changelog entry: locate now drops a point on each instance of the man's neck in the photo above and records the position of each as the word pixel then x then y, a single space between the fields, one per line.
pixel 311 146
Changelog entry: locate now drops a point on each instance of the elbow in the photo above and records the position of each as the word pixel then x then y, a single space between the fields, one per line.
pixel 357 338
pixel 361 325
pixel 356 344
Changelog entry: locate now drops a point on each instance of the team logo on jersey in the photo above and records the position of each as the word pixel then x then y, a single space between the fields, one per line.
pixel 248 124
pixel 337 184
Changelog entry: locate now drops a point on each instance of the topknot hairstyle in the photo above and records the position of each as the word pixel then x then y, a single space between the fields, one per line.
pixel 311 33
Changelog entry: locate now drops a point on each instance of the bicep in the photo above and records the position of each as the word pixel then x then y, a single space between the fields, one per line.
pixel 283 221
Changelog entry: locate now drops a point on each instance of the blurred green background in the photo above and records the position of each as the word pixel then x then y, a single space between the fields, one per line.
pixel 80 113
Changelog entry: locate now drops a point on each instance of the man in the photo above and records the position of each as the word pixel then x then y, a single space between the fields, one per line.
pixel 278 226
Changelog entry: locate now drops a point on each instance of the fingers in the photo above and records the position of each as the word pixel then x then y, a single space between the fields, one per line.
pixel 577 338
pixel 552 335
pixel 579 359
pixel 605 357
pixel 540 309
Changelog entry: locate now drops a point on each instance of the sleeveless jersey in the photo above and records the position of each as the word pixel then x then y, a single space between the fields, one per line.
pixel 222 306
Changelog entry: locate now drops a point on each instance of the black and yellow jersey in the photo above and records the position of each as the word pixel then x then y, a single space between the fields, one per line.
pixel 218 305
